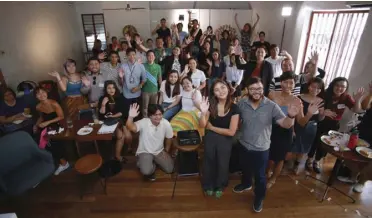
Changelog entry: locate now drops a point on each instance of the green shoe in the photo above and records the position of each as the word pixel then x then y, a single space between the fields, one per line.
pixel 219 194
pixel 209 192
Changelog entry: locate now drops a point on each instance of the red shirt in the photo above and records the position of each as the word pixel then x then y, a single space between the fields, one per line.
pixel 339 106
pixel 257 71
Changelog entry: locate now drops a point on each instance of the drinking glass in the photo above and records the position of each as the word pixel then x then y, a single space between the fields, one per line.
pixel 69 123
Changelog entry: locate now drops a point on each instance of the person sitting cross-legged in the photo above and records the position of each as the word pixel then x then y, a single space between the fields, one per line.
pixel 152 132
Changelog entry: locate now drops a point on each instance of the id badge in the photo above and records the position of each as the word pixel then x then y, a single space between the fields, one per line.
pixel 341 106
pixel 131 80
pixel 101 85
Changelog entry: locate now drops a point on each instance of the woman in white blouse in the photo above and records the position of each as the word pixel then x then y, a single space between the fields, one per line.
pixel 197 76
pixel 170 97
pixel 234 76
pixel 188 117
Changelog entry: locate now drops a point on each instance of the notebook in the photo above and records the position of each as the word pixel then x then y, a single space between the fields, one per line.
pixel 107 129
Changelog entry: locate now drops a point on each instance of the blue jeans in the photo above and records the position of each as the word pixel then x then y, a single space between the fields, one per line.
pixel 253 163
pixel 169 114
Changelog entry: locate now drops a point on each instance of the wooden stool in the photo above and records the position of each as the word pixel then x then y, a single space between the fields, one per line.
pixel 184 149
pixel 87 166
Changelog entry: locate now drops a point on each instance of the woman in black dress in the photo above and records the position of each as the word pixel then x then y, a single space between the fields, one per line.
pixel 51 114
pixel 111 106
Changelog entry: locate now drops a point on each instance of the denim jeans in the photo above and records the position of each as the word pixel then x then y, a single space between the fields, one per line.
pixel 169 114
pixel 253 163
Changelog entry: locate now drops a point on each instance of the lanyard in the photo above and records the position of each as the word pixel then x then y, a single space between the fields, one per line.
pixel 131 69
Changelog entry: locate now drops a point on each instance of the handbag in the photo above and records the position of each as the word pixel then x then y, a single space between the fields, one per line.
pixel 188 137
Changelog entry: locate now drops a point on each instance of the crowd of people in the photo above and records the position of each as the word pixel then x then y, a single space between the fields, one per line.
pixel 209 82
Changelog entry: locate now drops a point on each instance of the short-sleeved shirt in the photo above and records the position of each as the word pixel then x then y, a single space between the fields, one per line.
pixel 197 78
pixel 276 64
pixel 166 98
pixel 187 102
pixel 111 72
pixel 134 74
pixel 151 137
pixel 97 83
pixel 163 33
pixel 7 111
pixel 340 106
pixel 224 122
pixel 153 72
pixel 257 123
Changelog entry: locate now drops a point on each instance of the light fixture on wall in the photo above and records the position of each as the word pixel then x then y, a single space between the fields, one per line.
pixel 286 12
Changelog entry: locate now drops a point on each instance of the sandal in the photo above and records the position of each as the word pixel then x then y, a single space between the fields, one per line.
pixel 219 194
pixel 209 192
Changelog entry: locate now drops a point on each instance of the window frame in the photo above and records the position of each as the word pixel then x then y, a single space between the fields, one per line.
pixel 94 28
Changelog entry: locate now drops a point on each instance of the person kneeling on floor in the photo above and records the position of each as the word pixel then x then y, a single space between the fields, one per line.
pixel 152 132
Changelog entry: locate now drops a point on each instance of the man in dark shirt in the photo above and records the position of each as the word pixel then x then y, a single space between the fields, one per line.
pixel 162 30
pixel 259 44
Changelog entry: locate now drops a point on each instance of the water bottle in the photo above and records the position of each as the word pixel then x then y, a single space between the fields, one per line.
pixel 353 141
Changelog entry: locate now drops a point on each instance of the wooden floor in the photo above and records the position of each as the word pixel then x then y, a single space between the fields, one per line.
pixel 129 196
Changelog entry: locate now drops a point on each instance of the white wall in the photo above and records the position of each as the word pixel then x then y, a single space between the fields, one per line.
pixel 37 37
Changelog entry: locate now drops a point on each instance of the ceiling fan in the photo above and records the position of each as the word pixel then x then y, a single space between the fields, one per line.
pixel 128 8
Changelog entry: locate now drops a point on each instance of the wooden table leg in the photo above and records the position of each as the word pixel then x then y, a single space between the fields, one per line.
pixel 77 148
pixel 96 145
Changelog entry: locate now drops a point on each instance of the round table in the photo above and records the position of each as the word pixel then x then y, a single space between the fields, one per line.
pixel 342 156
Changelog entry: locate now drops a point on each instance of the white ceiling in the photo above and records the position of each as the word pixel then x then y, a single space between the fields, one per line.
pixel 161 5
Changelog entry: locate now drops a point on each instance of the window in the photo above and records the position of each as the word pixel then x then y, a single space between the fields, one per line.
pixel 94 28
pixel 335 35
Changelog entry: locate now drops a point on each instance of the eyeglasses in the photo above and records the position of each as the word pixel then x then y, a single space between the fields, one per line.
pixel 94 80
pixel 255 89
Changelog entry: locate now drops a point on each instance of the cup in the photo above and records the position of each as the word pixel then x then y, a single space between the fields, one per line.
pixel 69 123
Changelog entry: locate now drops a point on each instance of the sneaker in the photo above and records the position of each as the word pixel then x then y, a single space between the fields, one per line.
pixel 345 179
pixel 257 205
pixel 209 192
pixel 358 188
pixel 316 167
pixel 241 188
pixel 309 165
pixel 151 177
pixel 219 194
pixel 61 168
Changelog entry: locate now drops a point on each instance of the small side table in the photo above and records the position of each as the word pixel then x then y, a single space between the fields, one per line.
pixel 182 150
pixel 87 167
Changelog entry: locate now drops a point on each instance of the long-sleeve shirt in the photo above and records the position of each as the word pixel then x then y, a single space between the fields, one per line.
pixel 134 74
pixel 233 74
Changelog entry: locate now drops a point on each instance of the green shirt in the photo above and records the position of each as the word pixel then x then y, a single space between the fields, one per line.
pixel 153 72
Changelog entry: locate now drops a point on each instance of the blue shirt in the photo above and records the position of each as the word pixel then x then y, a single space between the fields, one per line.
pixel 7 111
pixel 134 74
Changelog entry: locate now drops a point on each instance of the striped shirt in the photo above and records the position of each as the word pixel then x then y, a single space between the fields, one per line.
pixel 275 85
pixel 111 72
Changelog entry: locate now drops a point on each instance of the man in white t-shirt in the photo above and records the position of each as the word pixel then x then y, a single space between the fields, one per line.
pixel 276 61
pixel 152 132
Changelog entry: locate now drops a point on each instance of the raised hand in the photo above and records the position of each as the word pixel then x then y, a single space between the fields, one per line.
pixel 330 114
pixel 187 68
pixel 121 73
pixel 258 16
pixel 104 101
pixel 294 107
pixel 209 62
pixel 55 74
pixel 314 57
pixel 85 81
pixel 189 40
pixel 315 106
pixel 134 110
pixel 284 52
pixel 359 95
pixel 188 56
pixel 102 56
pixel 204 105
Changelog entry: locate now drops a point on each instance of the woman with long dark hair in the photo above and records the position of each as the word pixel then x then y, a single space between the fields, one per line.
pixel 170 95
pixel 111 106
pixel 51 114
pixel 312 114
pixel 335 102
pixel 220 117
pixel 197 76
pixel 218 68
pixel 70 83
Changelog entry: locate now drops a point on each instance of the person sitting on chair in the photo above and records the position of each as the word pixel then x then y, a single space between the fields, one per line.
pixel 152 131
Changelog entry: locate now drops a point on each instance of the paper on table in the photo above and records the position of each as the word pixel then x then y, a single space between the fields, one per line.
pixel 53 132
pixel 107 129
